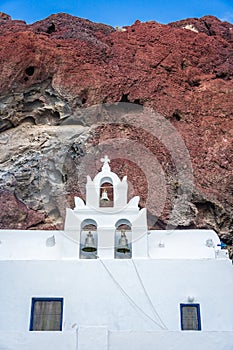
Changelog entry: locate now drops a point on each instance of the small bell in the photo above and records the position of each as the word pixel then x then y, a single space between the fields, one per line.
pixel 123 246
pixel 104 196
pixel 89 245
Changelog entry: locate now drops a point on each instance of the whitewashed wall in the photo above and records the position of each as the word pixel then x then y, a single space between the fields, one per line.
pixel 105 304
pixel 94 296
pixel 98 339
pixel 178 244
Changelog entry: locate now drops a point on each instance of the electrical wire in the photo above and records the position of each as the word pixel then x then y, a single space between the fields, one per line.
pixel 129 297
pixel 147 296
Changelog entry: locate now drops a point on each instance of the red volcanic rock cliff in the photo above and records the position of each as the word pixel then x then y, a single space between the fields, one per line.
pixel 55 70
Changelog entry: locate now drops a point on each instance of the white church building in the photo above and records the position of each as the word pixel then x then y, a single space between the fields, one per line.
pixel 108 283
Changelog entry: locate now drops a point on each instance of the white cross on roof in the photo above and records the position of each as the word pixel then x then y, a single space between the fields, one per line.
pixel 105 160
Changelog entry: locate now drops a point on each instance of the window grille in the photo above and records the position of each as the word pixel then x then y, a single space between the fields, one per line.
pixel 190 317
pixel 46 314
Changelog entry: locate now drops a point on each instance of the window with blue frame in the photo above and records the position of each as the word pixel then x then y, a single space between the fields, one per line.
pixel 190 317
pixel 46 314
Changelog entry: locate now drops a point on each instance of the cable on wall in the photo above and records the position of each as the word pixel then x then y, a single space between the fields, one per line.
pixel 129 297
pixel 148 297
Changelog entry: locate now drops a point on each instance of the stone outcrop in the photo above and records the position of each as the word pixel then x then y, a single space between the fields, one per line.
pixel 16 215
pixel 55 70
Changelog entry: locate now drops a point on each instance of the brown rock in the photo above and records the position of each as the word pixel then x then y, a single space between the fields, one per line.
pixel 54 69
pixel 4 17
pixel 15 215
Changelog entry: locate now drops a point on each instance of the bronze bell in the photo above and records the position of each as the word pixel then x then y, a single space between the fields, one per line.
pixel 123 246
pixel 104 196
pixel 89 245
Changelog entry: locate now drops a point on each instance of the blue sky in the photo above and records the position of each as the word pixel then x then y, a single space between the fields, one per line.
pixel 119 13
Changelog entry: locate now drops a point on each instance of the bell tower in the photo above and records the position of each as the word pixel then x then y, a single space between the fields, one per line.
pixel 106 190
pixel 107 225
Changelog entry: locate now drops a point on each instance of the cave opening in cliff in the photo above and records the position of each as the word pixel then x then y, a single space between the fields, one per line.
pixel 176 115
pixel 138 102
pixel 51 29
pixel 30 120
pixel 30 70
pixel 124 98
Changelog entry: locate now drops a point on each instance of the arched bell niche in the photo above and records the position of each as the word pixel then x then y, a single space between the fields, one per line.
pixel 106 194
pixel 88 239
pixel 123 239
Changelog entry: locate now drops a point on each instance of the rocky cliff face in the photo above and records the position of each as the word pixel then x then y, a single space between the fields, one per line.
pixel 59 80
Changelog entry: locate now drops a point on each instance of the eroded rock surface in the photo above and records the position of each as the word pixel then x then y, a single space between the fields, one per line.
pixel 54 70
pixel 16 215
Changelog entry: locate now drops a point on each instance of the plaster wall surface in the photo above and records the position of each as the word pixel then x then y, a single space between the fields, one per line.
pixel 133 303
pixel 87 339
pixel 112 293
pixel 159 244
pixel 172 340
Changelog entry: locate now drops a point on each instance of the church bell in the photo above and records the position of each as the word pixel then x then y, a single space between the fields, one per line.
pixel 89 245
pixel 123 246
pixel 104 196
